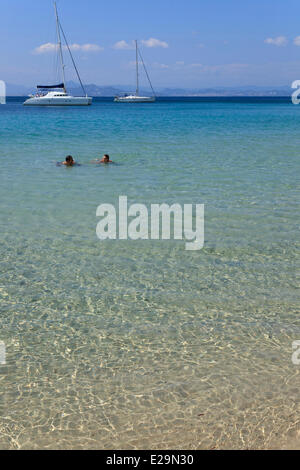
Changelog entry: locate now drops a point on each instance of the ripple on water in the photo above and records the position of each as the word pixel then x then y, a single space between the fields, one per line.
pixel 143 345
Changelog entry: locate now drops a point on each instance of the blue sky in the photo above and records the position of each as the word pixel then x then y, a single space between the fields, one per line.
pixel 185 43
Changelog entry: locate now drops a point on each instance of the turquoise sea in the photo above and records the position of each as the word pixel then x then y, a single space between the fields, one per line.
pixel 142 344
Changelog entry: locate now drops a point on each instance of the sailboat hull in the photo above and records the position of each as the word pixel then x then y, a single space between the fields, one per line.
pixel 59 101
pixel 59 96
pixel 134 99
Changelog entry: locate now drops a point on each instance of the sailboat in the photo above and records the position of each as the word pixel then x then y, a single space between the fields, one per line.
pixel 135 97
pixel 57 95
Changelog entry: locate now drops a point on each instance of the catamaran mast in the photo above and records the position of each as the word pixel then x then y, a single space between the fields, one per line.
pixel 137 68
pixel 60 47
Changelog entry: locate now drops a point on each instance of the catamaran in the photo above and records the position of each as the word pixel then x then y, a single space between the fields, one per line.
pixel 57 95
pixel 135 97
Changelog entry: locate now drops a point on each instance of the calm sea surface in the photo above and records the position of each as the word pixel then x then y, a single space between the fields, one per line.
pixel 141 344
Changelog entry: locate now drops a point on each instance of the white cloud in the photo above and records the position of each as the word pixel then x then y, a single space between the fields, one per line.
pixel 123 45
pixel 44 48
pixel 279 41
pixel 201 45
pixel 152 42
pixel 50 47
pixel 132 63
pixel 297 41
pixel 224 68
pixel 86 47
pixel 160 66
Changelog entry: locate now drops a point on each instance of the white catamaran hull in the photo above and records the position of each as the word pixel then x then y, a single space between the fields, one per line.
pixel 59 101
pixel 134 99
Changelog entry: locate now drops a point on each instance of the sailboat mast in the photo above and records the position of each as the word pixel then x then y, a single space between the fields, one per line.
pixel 137 68
pixel 142 60
pixel 60 47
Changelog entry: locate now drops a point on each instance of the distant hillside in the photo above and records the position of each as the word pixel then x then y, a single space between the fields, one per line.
pixel 98 91
pixel 227 91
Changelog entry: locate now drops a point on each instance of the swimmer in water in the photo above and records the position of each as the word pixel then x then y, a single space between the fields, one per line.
pixel 104 160
pixel 68 162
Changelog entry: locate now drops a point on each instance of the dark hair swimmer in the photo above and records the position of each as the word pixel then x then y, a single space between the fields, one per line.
pixel 105 159
pixel 69 161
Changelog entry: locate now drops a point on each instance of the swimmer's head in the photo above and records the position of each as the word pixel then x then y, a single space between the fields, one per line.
pixel 69 160
pixel 106 158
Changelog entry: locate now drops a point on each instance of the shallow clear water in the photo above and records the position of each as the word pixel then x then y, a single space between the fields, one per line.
pixel 123 344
